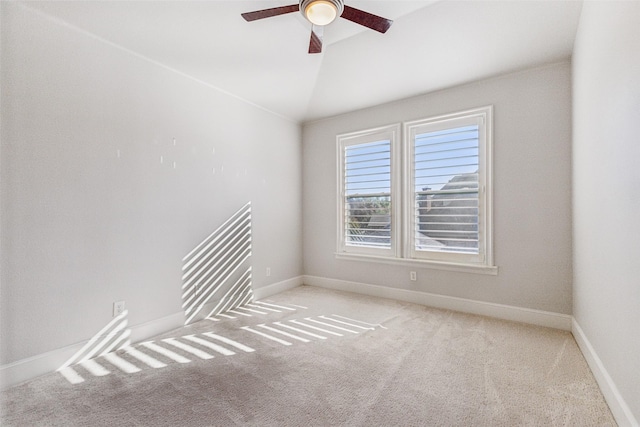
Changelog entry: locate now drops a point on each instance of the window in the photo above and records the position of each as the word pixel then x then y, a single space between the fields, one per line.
pixel 432 207
pixel 448 167
pixel 369 191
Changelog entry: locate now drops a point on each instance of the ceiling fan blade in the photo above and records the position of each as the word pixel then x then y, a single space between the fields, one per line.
pixel 315 44
pixel 268 13
pixel 366 19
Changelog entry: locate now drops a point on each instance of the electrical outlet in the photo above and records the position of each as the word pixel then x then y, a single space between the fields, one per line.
pixel 268 271
pixel 118 308
pixel 413 276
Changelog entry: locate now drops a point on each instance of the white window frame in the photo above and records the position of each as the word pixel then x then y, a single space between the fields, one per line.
pixel 392 134
pixel 402 251
pixel 483 118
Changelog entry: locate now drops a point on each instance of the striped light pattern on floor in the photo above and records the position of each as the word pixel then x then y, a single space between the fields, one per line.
pixel 113 336
pixel 254 308
pixel 209 345
pixel 155 354
pixel 320 328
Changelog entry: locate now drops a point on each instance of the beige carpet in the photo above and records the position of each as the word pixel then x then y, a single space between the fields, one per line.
pixel 313 357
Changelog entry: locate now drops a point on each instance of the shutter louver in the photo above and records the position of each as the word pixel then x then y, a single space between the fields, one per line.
pixel 445 166
pixel 367 193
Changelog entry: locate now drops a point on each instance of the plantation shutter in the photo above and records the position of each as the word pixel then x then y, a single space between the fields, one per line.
pixel 445 181
pixel 367 194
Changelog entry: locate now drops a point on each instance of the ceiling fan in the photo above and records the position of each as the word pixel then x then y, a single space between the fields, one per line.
pixel 321 13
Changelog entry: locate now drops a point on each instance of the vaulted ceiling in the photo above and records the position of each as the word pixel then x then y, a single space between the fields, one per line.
pixel 431 45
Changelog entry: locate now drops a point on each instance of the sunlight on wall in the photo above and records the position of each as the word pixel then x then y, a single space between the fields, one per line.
pixel 112 337
pixel 216 270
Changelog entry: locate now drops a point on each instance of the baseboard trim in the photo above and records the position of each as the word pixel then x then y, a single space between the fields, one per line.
pixel 500 311
pixel 155 327
pixel 26 369
pixel 619 408
pixel 276 288
pixel 31 367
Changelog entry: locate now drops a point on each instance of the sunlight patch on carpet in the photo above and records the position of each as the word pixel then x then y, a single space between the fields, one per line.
pixel 207 345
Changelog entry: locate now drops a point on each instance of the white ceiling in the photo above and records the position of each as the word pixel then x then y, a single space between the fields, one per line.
pixel 431 45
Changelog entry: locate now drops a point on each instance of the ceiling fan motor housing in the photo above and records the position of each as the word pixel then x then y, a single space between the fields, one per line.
pixel 305 4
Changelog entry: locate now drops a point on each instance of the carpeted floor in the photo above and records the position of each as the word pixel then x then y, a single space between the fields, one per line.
pixel 314 357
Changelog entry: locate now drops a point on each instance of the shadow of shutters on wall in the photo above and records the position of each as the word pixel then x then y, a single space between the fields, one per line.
pixel 216 274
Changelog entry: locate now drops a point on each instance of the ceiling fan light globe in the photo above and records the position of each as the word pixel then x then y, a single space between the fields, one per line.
pixel 321 12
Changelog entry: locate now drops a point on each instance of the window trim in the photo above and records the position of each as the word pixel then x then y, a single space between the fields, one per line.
pixel 420 263
pixel 392 133
pixel 483 117
pixel 402 192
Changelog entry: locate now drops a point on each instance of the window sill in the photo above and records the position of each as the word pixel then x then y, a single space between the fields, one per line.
pixel 419 263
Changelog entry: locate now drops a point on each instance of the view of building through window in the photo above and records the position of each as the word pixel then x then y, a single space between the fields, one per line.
pixel 446 189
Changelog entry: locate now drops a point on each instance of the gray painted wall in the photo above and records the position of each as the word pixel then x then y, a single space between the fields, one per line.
pixel 89 215
pixel 82 227
pixel 532 191
pixel 606 179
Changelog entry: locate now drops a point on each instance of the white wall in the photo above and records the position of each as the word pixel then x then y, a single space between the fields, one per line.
pixel 532 191
pixel 606 195
pixel 83 227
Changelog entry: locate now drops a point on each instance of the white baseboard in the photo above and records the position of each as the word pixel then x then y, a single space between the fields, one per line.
pixel 29 368
pixel 276 288
pixel 25 369
pixel 619 408
pixel 155 327
pixel 500 311
pixel 41 364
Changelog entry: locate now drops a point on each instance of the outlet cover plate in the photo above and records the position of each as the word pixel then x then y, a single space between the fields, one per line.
pixel 118 308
